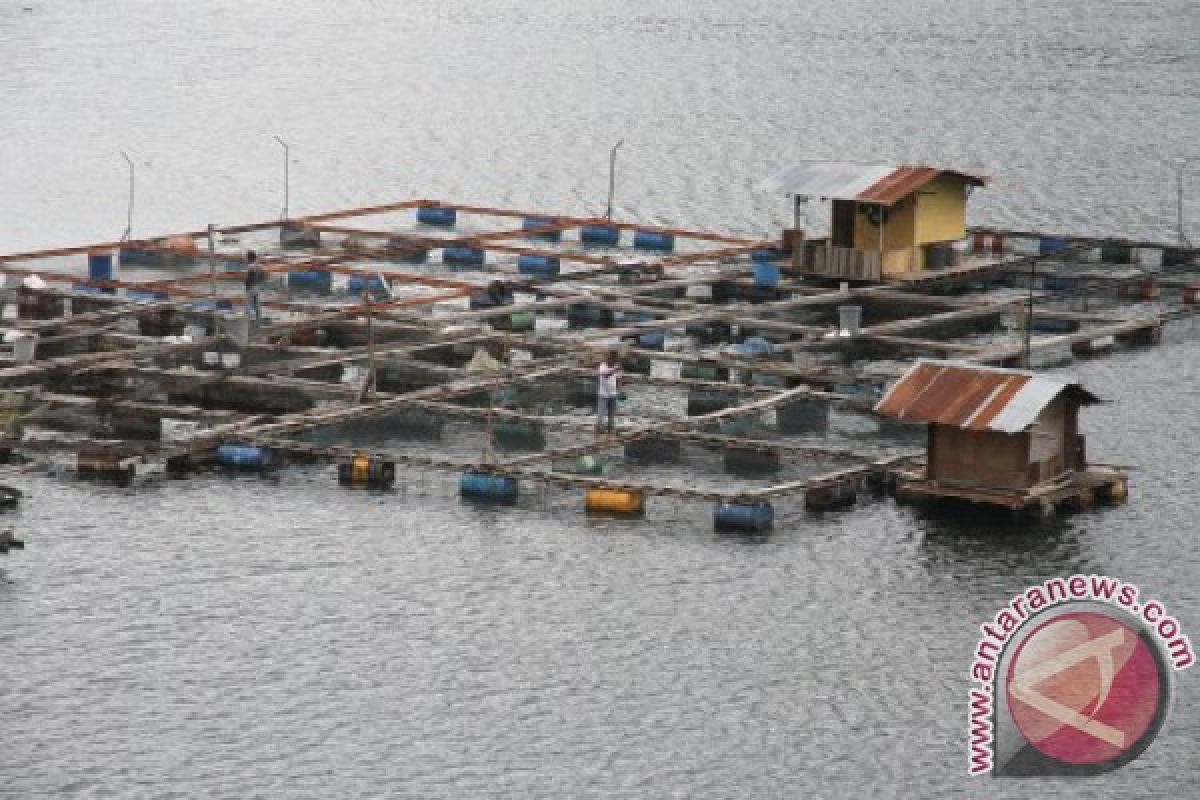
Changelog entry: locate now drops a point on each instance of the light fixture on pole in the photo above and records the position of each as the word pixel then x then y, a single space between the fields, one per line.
pixel 286 176
pixel 129 213
pixel 612 177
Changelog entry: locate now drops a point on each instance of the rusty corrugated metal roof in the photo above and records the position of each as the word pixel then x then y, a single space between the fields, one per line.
pixel 865 183
pixel 974 397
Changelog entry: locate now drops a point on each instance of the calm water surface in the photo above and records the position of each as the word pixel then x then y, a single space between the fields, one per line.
pixel 241 638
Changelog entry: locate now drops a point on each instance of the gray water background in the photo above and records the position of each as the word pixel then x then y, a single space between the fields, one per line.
pixel 244 638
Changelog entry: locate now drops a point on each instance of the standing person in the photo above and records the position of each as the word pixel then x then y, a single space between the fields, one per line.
pixel 255 278
pixel 606 394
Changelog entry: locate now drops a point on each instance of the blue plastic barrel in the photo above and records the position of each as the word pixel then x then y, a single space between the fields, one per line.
pixel 140 256
pixel 766 274
pixel 488 486
pixel 540 266
pixel 534 226
pixel 654 240
pixel 436 215
pixel 655 340
pixel 369 283
pixel 1049 245
pixel 84 288
pixel 766 254
pixel 314 280
pixel 244 456
pixel 605 235
pixel 209 305
pixel 100 265
pixel 743 516
pixel 463 256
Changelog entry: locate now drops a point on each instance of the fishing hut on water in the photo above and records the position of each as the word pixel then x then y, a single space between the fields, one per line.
pixel 999 437
pixel 885 222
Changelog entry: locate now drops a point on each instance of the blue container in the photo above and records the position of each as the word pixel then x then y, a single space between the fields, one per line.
pixel 541 266
pixel 1050 245
pixel 100 266
pixel 655 340
pixel 1061 283
pixel 436 215
pixel 743 516
pixel 463 256
pixel 533 224
pixel 488 486
pixel 766 254
pixel 754 346
pixel 602 235
pixel 84 288
pixel 654 240
pixel 243 456
pixel 140 257
pixel 209 305
pixel 136 294
pixel 371 283
pixel 766 274
pixel 315 280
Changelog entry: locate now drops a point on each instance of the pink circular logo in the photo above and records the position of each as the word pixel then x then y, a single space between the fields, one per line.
pixel 1085 688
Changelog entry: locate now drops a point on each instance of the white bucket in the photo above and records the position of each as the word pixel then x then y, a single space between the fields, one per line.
pixel 231 360
pixel 353 374
pixel 524 297
pixel 194 331
pixel 850 319
pixel 549 324
pixel 520 356
pixel 701 291
pixel 25 347
pixel 129 325
pixel 212 359
pixel 177 430
pixel 665 369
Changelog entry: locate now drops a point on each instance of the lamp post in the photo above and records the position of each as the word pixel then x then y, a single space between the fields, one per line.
pixel 612 177
pixel 1179 171
pixel 286 177
pixel 129 213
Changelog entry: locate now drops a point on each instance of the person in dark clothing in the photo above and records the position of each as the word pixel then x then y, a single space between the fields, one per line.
pixel 256 276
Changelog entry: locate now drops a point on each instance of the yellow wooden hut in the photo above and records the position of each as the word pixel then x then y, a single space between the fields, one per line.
pixel 886 221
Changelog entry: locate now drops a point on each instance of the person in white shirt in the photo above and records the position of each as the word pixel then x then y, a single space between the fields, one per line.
pixel 607 391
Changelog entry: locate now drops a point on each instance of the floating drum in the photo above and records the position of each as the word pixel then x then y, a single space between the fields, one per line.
pixel 436 215
pixel 582 315
pixel 654 240
pixel 832 496
pixel 317 280
pixel 488 487
pixel 751 517
pixel 751 461
pixel 615 501
pixel 535 229
pixel 767 275
pixel 981 243
pixel 655 340
pixel 463 256
pixel 654 450
pixel 374 284
pixel 1051 245
pixel 538 266
pixel 997 243
pixel 705 401
pixel 803 416
pixel 522 321
pixel 249 457
pixel 767 254
pixel 600 235
pixel 100 265
pixel 518 435
pixel 366 471
pixel 1116 254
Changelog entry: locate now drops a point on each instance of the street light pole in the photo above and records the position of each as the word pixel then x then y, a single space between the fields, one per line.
pixel 129 214
pixel 1183 165
pixel 286 177
pixel 612 177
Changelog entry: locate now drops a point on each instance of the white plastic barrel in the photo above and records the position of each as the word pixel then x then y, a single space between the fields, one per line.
pixel 25 347
pixel 850 319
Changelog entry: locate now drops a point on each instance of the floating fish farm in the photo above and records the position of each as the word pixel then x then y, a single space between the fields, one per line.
pixel 431 337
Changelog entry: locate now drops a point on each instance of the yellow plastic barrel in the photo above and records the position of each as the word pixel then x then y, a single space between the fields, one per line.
pixel 615 501
pixel 360 469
